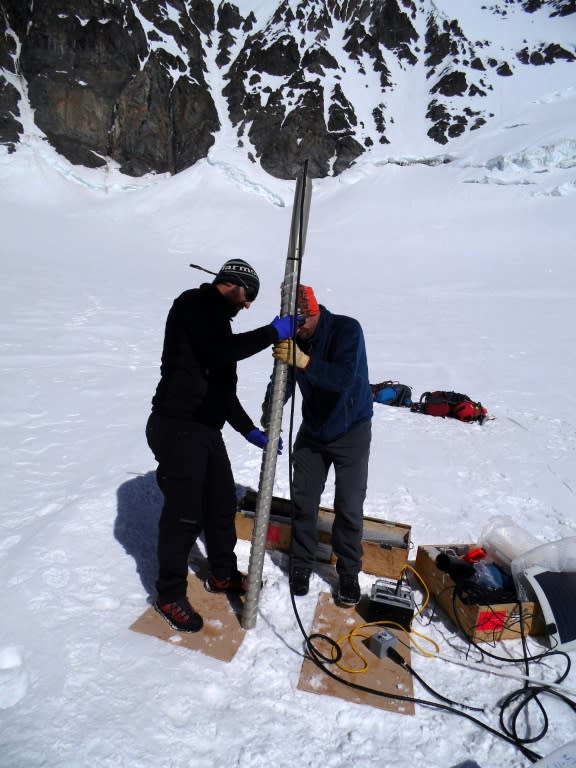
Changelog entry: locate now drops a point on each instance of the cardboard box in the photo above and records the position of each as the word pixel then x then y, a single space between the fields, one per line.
pixel 485 622
pixel 385 544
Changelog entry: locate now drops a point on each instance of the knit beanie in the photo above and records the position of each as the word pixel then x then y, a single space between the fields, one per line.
pixel 239 272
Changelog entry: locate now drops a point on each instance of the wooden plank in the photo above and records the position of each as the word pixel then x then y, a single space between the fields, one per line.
pixel 381 675
pixel 221 635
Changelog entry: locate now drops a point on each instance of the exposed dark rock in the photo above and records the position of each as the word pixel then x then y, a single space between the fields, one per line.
pixel 393 29
pixel 201 14
pixel 440 44
pixel 284 144
pixel 341 115
pixel 317 60
pixel 75 74
pixel 15 15
pixel 104 85
pixel 545 55
pixel 194 123
pixel 475 91
pixel 554 52
pixel 141 133
pixel 445 125
pixel 440 118
pixel 457 127
pixel 92 97
pixel 557 7
pixel 380 122
pixel 229 19
pixel 452 84
pixel 10 127
pixel 504 70
pixel 74 118
pixel 564 7
pixel 478 122
pixel 360 44
pixel 280 58
pixel 530 6
pixel 7 46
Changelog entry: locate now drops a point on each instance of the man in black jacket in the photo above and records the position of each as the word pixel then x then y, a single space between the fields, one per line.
pixel 196 395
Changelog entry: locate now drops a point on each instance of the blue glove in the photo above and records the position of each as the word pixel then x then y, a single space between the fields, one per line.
pixel 260 439
pixel 284 327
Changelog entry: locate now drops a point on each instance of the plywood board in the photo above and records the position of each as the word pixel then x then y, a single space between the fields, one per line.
pixel 382 675
pixel 221 635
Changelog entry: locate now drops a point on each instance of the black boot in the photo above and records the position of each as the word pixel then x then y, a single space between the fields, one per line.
pixel 300 580
pixel 348 590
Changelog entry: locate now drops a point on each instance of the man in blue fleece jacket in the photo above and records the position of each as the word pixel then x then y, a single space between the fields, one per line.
pixel 329 359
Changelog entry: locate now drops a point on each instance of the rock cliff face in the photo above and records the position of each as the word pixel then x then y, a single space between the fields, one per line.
pixel 150 83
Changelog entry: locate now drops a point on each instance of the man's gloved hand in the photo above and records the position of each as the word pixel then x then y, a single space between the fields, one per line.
pixel 260 439
pixel 284 351
pixel 284 326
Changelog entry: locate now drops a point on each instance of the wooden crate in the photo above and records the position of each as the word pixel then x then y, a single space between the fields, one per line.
pixel 385 544
pixel 484 623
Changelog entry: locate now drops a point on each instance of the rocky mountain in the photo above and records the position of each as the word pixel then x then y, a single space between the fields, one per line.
pixel 153 85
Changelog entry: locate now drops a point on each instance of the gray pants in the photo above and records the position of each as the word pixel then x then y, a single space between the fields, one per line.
pixel 349 456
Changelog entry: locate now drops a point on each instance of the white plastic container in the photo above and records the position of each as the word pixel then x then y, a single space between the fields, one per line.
pixel 503 540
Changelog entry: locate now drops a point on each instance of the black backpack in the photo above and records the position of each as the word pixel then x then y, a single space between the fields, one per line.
pixel 392 393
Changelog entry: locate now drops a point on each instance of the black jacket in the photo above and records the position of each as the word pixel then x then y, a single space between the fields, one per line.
pixel 198 370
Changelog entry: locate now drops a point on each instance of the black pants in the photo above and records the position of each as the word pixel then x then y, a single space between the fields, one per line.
pixel 195 476
pixel 349 455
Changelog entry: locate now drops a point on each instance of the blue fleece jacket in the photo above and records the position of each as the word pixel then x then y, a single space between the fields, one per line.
pixel 336 393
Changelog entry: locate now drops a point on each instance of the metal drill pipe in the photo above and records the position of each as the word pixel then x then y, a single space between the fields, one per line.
pixel 296 244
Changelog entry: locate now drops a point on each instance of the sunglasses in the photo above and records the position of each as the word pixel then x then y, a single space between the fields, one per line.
pixel 249 291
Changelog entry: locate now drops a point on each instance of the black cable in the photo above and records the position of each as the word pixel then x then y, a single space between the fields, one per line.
pixel 516 704
pixel 431 690
pixel 528 694
pixel 533 756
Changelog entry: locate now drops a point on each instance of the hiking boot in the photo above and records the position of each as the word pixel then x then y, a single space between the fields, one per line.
pixel 237 584
pixel 348 590
pixel 300 581
pixel 180 615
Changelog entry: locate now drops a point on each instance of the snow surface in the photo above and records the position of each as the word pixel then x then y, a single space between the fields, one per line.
pixel 462 275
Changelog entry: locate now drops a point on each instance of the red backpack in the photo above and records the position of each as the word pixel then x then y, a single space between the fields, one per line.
pixel 451 404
